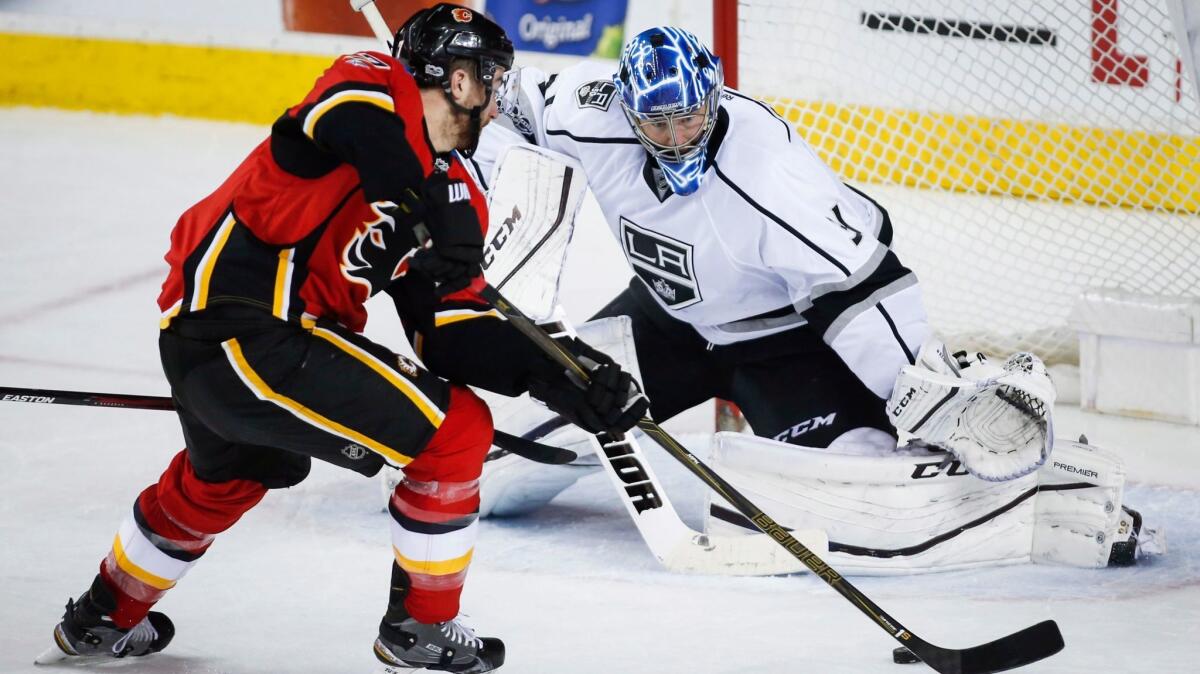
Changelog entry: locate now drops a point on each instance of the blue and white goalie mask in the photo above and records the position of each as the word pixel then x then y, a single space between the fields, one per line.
pixel 670 87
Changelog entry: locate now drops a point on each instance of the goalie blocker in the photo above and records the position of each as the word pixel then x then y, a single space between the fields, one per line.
pixel 915 509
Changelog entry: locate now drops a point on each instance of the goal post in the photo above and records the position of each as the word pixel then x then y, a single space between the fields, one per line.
pixel 1027 150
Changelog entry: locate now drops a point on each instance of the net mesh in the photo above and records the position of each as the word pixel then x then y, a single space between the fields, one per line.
pixel 1026 149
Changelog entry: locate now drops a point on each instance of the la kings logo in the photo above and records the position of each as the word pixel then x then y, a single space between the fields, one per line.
pixel 598 94
pixel 663 263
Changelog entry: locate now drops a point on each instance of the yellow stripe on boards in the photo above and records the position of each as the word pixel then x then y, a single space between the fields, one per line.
pixel 225 83
pixel 863 144
pixel 1026 159
pixel 127 565
pixel 428 568
pixel 264 392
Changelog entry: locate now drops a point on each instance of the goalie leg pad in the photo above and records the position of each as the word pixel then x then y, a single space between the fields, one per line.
pixel 884 510
pixel 1081 519
pixel 995 419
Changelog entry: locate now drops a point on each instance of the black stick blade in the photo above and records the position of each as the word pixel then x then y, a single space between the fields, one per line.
pixel 534 451
pixel 1018 649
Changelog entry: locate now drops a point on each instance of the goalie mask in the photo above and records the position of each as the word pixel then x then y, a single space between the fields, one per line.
pixel 432 39
pixel 670 88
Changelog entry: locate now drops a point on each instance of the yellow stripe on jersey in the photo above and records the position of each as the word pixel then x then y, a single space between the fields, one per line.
pixel 283 284
pixel 262 391
pixel 434 568
pixel 430 410
pixel 205 269
pixel 127 565
pixel 169 314
pixel 377 98
pixel 457 315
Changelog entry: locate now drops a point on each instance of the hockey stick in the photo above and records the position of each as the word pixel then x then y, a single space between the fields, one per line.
pixel 526 215
pixel 1015 650
pixel 512 243
pixel 622 460
pixel 673 543
pixel 1018 649
pixel 534 451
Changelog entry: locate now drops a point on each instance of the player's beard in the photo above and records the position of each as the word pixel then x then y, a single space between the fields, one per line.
pixel 466 137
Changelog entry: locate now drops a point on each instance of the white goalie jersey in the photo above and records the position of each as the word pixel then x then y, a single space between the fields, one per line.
pixel 771 240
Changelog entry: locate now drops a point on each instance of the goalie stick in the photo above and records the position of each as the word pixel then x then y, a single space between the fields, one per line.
pixel 1015 650
pixel 534 451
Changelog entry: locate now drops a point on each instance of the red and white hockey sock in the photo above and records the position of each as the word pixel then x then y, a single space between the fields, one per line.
pixel 435 509
pixel 434 527
pixel 171 525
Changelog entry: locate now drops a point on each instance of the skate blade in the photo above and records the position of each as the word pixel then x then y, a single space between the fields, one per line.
pixel 52 655
pixel 56 653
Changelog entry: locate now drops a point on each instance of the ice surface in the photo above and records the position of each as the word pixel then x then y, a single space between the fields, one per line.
pixel 299 584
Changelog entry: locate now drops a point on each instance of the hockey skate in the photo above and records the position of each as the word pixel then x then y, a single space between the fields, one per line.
pixel 87 631
pixel 410 646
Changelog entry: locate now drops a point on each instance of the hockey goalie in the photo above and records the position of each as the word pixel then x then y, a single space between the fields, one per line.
pixel 761 278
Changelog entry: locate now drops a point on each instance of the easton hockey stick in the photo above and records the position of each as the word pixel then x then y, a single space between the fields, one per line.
pixel 1015 650
pixel 534 451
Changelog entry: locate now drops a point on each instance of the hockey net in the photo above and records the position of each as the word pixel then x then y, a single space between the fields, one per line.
pixel 1026 150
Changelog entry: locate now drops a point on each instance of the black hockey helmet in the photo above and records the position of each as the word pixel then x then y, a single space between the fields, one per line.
pixel 432 38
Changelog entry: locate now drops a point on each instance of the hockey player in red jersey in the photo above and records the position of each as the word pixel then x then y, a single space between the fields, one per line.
pixel 260 340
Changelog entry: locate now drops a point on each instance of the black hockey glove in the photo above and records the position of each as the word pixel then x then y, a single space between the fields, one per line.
pixel 610 402
pixel 456 237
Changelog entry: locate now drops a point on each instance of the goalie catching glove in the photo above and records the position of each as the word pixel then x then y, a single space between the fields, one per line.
pixel 609 402
pixel 996 419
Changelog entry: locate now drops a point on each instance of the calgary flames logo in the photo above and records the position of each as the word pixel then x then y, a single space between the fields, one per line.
pixel 373 257
pixel 462 15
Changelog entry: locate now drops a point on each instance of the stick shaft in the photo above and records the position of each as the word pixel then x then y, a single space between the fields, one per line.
pixel 374 19
pixel 84 398
pixel 526 448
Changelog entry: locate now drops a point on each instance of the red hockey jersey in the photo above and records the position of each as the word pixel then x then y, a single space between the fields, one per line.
pixel 297 229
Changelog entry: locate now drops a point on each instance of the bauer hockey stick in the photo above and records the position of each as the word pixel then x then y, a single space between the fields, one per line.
pixel 1015 650
pixel 534 196
pixel 534 451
